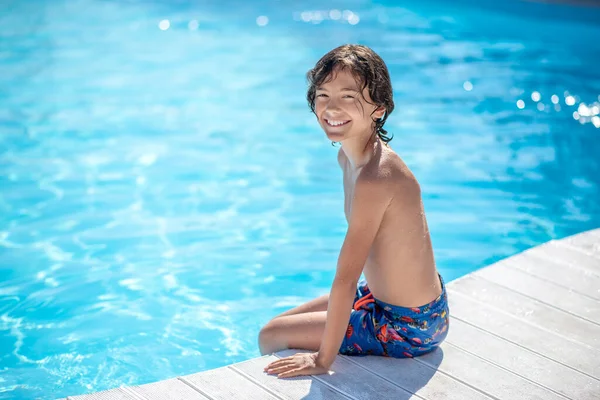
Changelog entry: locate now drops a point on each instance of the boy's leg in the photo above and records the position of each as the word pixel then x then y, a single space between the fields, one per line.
pixel 297 331
pixel 318 304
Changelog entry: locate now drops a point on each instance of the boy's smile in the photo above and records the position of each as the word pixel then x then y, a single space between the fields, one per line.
pixel 336 123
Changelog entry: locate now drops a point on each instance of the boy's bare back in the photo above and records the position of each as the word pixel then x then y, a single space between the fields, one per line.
pixel 400 268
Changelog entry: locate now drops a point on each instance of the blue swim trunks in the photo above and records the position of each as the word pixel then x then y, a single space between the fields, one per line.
pixel 378 328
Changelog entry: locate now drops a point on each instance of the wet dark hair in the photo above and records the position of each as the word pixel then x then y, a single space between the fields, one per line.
pixel 368 69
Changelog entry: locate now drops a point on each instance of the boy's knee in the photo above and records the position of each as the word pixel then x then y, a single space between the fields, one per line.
pixel 264 333
pixel 269 340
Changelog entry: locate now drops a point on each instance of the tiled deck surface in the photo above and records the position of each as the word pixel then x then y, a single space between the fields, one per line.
pixel 527 327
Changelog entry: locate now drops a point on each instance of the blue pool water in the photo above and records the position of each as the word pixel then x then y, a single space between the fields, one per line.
pixel 165 190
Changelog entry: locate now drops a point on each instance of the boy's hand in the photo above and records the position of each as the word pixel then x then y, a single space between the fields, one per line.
pixel 296 365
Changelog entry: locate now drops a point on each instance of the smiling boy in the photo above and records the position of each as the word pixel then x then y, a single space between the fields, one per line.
pixel 403 310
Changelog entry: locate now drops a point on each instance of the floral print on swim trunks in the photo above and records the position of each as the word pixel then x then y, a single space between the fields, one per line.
pixel 378 328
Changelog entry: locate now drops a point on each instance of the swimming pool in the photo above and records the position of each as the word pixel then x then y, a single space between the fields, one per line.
pixel 165 190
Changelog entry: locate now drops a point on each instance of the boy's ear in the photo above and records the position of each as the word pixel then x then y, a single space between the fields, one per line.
pixel 379 113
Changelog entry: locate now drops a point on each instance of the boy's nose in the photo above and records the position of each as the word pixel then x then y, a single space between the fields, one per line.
pixel 333 107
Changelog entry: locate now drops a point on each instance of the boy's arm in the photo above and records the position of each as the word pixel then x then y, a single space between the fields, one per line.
pixel 371 199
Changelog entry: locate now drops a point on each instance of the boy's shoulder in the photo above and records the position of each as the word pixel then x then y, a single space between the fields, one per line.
pixel 389 169
pixel 388 179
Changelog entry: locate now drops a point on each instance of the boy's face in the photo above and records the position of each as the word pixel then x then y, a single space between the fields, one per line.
pixel 341 109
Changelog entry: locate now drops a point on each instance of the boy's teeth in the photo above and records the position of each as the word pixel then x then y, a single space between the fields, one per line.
pixel 336 122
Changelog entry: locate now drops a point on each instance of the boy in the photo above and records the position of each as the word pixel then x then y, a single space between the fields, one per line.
pixel 403 311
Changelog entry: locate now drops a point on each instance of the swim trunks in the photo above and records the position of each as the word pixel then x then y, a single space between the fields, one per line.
pixel 378 328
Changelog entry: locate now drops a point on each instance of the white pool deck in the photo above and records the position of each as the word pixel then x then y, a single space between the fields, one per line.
pixel 526 327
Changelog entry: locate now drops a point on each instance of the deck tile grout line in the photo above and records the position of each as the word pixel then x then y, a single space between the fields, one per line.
pixel 523 320
pixel 256 382
pixel 129 390
pixel 336 389
pixel 349 359
pixel 511 264
pixel 509 370
pixel 197 389
pixel 448 374
pixel 581 250
pixel 537 253
pixel 476 276
pixel 524 348
pixel 343 393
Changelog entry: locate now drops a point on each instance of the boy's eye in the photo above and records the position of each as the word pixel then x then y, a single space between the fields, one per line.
pixel 348 96
pixel 322 95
